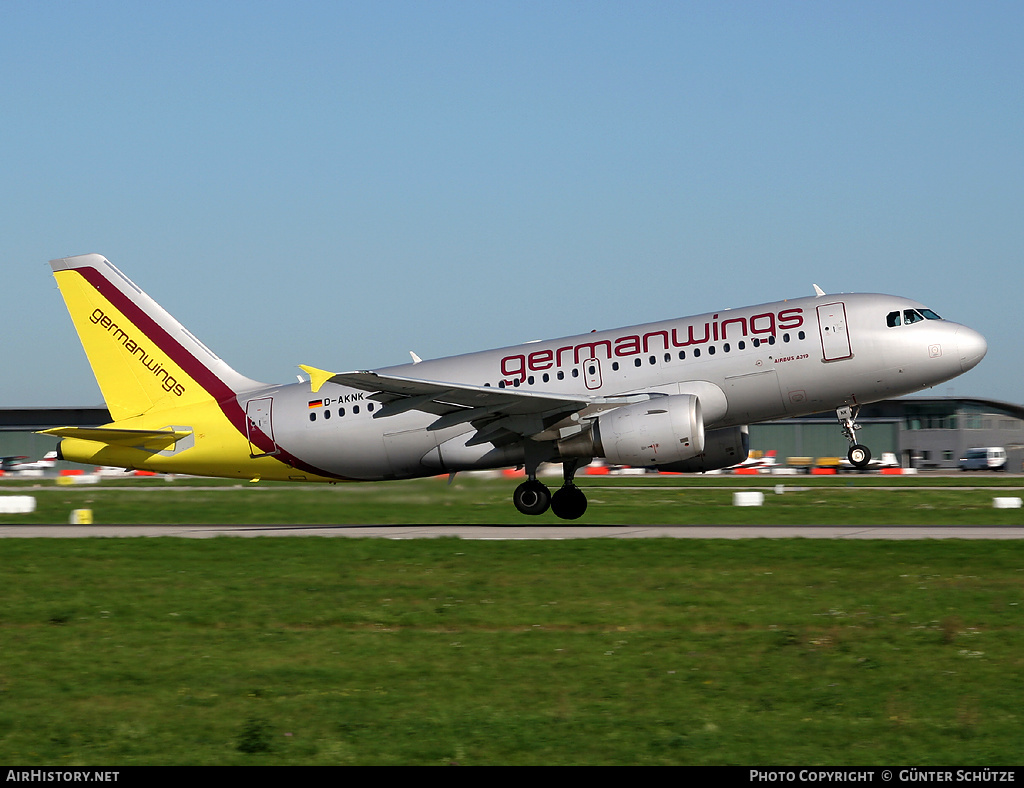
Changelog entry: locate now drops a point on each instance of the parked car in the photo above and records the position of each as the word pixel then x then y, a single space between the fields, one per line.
pixel 984 458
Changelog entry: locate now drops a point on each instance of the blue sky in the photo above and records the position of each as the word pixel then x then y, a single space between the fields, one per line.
pixel 337 183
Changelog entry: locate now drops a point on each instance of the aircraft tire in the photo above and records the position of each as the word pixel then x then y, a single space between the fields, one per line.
pixel 532 497
pixel 569 502
pixel 859 455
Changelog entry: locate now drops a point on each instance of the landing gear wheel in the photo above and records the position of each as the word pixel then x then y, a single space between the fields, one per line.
pixel 532 497
pixel 569 502
pixel 859 455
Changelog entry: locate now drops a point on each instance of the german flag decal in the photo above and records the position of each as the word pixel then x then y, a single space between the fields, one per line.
pixel 316 403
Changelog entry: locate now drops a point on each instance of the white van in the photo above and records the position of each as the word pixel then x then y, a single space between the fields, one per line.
pixel 985 458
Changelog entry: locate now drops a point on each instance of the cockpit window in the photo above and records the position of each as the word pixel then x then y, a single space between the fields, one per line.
pixel 909 316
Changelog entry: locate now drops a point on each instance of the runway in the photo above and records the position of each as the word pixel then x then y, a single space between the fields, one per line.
pixel 519 532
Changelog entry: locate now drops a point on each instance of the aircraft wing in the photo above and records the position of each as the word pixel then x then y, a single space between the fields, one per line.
pixel 493 412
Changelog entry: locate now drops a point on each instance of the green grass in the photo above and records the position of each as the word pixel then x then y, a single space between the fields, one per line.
pixel 341 651
pixel 840 500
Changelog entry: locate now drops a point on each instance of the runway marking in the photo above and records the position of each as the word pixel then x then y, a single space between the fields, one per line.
pixel 519 532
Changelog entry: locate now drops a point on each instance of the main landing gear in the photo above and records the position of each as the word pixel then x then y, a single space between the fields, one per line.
pixel 859 454
pixel 568 502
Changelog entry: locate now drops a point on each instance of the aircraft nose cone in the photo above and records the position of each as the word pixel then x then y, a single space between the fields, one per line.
pixel 971 346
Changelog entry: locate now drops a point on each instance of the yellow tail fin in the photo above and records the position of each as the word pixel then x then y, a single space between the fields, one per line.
pixel 143 358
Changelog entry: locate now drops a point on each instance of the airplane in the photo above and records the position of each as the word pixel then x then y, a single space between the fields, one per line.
pixel 676 395
pixel 763 464
pixel 8 462
pixel 11 464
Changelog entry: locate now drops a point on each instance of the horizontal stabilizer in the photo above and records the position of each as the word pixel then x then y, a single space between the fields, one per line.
pixel 149 439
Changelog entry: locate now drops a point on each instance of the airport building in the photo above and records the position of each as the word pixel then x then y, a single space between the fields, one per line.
pixel 927 433
pixel 18 427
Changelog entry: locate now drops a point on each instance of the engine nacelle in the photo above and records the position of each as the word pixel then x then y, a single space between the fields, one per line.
pixel 722 449
pixel 651 433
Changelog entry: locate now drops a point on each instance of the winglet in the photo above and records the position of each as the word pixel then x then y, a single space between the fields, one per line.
pixel 317 377
pixel 818 291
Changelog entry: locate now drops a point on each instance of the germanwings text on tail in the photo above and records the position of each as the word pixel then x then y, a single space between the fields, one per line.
pixel 675 395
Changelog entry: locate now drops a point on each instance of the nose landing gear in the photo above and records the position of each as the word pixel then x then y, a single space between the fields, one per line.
pixel 859 454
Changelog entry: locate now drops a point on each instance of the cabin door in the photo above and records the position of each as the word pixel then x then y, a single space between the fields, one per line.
pixel 835 336
pixel 259 427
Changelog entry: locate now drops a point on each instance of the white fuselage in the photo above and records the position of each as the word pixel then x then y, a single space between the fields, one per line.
pixel 747 365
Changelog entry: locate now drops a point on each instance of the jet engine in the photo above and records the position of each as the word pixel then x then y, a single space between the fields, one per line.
pixel 651 433
pixel 722 449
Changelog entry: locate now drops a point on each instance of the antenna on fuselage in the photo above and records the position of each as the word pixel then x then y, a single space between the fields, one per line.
pixel 818 292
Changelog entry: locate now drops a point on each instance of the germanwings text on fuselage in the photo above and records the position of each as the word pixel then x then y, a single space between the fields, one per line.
pixel 515 367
